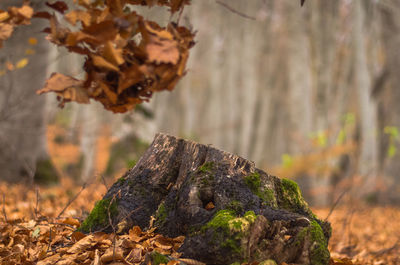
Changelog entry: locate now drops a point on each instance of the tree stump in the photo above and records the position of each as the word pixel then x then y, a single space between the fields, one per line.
pixel 229 210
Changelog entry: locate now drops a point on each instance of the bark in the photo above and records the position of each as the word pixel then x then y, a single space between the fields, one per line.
pixel 389 98
pixel 227 208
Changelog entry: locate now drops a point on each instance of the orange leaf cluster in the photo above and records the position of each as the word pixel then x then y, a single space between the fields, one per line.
pixel 127 57
pixel 13 17
pixel 45 243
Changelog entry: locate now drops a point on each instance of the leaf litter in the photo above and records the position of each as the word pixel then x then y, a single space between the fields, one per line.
pixel 31 233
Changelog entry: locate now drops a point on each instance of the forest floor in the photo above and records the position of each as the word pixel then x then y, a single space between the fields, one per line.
pixel 38 224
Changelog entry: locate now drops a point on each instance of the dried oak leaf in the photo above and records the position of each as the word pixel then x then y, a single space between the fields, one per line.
pixel 161 47
pixel 21 15
pixel 79 15
pixel 66 87
pixel 5 32
pixel 82 245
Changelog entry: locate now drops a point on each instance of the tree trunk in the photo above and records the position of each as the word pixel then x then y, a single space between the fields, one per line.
pixel 389 101
pixel 227 208
pixel 23 151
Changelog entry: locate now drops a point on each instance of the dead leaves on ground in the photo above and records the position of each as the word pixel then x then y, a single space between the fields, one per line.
pixel 128 58
pixel 48 243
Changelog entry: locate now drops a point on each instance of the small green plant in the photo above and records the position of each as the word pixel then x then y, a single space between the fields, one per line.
pixel 287 161
pixel 393 133
pixel 320 138
pixel 206 167
pixel 100 214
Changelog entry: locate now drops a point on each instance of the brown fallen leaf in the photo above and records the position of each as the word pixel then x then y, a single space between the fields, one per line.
pixel 82 244
pixel 71 221
pixel 5 31
pixel 68 88
pixel 209 206
pixel 112 254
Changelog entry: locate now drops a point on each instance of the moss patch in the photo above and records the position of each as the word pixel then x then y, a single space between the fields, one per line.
pixel 235 206
pixel 121 180
pixel 161 215
pixel 99 216
pixel 158 258
pixel 319 251
pixel 220 220
pixel 319 254
pixel 291 197
pixel 230 228
pixel 207 167
pixel 253 181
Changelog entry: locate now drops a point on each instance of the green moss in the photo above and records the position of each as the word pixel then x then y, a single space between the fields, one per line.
pixel 220 220
pixel 267 195
pixel 158 258
pixel 121 180
pixel 131 163
pixel 161 215
pixel 229 228
pixel 250 216
pixel 235 206
pixel 236 263
pixel 99 216
pixel 45 172
pixel 206 167
pixel 232 244
pixel 319 250
pixel 291 198
pixel 319 254
pixel 300 236
pixel 253 181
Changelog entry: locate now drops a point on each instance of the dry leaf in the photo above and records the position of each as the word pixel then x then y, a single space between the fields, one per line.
pixel 71 221
pixel 22 63
pixel 66 87
pixel 5 31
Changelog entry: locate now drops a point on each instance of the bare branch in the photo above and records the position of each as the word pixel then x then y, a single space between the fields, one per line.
pixel 234 10
pixel 72 200
pixel 4 208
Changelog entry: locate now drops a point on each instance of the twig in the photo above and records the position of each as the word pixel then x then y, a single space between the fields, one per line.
pixel 104 181
pixel 37 203
pixel 386 250
pixel 4 208
pixel 234 10
pixel 335 204
pixel 72 200
pixel 112 226
pixel 49 245
pixel 180 15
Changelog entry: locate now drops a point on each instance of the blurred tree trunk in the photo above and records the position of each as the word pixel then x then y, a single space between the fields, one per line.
pixel 367 108
pixel 23 150
pixel 389 100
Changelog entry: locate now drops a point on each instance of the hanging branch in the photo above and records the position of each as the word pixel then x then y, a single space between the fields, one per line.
pixel 234 10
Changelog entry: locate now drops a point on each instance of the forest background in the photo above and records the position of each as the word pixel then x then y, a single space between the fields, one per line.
pixel 307 93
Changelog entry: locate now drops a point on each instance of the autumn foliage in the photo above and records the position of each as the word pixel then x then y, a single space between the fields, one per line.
pixel 127 57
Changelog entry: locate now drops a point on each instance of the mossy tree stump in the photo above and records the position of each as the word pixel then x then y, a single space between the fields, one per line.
pixel 229 210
